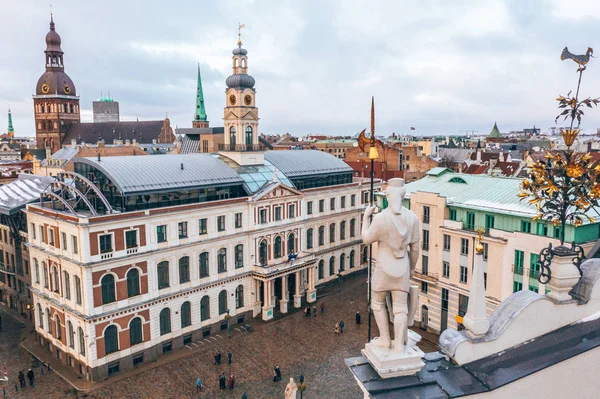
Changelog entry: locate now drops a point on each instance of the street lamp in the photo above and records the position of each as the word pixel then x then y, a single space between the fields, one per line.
pixel 302 387
pixel 227 317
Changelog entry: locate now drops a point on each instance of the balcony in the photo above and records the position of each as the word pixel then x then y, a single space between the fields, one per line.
pixel 279 264
pixel 106 255
pixel 132 250
pixel 241 147
pixel 425 275
pixel 517 270
pixel 7 269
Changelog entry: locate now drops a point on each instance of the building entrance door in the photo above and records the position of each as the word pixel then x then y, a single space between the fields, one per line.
pixel 291 286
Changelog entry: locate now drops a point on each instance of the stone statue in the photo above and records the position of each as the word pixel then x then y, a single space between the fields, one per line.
pixel 396 231
pixel 291 389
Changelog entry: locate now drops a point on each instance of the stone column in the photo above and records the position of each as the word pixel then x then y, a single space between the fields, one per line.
pixel 297 295
pixel 283 302
pixel 311 293
pixel 267 311
pixel 256 298
pixel 476 321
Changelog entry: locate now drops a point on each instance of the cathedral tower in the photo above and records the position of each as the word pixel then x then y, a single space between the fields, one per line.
pixel 200 120
pixel 241 114
pixel 55 102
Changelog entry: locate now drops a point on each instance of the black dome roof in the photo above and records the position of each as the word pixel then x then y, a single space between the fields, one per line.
pixel 57 82
pixel 241 80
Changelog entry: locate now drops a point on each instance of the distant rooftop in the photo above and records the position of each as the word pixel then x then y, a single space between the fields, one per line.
pixel 307 162
pixel 18 193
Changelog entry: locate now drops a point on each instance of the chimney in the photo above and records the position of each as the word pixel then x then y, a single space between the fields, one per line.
pixel 134 142
pixel 153 141
pixel 479 156
pixel 127 143
pixel 182 166
pixel 74 143
pixel 98 157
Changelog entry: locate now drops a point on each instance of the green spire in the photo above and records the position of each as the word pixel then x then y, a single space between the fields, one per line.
pixel 11 129
pixel 495 131
pixel 200 114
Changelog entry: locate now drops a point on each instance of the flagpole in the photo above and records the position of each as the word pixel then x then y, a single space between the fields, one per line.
pixel 372 156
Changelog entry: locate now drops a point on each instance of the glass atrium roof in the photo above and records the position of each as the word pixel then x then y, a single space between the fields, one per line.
pixel 255 176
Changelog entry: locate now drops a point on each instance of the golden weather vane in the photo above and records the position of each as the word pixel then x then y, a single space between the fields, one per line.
pixel 372 142
pixel 240 26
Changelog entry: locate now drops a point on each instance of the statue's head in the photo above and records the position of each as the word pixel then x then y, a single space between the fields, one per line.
pixel 394 193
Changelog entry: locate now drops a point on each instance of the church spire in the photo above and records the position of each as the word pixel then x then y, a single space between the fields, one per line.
pixel 11 129
pixel 200 120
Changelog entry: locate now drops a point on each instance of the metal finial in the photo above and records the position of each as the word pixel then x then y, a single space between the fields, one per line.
pixel 372 118
pixel 240 26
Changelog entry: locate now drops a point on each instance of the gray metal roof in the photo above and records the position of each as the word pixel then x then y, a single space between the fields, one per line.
pixel 306 162
pixel 163 172
pixel 18 193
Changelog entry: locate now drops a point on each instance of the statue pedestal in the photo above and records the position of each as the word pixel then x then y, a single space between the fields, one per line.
pixel 267 313
pixel 311 296
pixel 390 364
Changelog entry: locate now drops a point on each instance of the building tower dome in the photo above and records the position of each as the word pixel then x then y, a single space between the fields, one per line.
pixel 240 78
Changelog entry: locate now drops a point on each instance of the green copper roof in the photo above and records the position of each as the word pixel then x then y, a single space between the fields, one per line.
pixel 200 114
pixel 11 129
pixel 495 132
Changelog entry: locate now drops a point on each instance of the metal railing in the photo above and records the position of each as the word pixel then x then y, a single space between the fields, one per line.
pixel 517 270
pixel 241 147
pixel 7 268
pixel 425 246
pixel 425 275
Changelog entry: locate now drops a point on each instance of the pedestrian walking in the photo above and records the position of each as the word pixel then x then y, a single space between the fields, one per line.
pixel 229 356
pixel 31 377
pixel 21 379
pixel 357 317
pixel 307 311
pixel 337 329
pixel 322 307
pixel 277 371
pixel 341 326
pixel 231 381
pixel 314 311
pixel 244 396
pixel 222 382
pixel 198 385
pixel 218 358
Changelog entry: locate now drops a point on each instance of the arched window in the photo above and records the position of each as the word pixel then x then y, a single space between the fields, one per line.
pixel 165 321
pixel 277 247
pixel 342 262
pixel 262 253
pixel 184 269
pixel 239 256
pixel 48 320
pixel 58 327
pixel 223 302
pixel 108 288
pixel 133 282
pixel 232 140
pixel 71 333
pixel 343 230
pixel 248 135
pixel 309 238
pixel 352 227
pixel 66 285
pixel 78 290
pixel 322 235
pixel 135 331
pixel 81 341
pixel 204 265
pixel 365 257
pixel 222 260
pixel 332 232
pixel 291 244
pixel 40 316
pixel 351 262
pixel 163 274
pixel 37 271
pixel 111 339
pixel 321 271
pixel 186 314
pixel 205 308
pixel 45 273
pixel 332 266
pixel 239 297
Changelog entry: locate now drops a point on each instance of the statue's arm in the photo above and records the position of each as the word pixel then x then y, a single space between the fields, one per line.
pixel 369 231
pixel 414 245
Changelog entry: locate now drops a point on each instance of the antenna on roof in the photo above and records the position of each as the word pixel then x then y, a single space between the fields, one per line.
pixel 98 156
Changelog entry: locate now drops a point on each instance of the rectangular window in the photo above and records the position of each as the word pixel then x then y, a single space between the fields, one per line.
pixel 32 231
pixel 187 339
pixel 444 299
pixel 519 258
pixel 78 290
pixel 66 285
pixel 203 226
pixel 238 220
pixel 263 216
pixel 161 233
pixel 168 347
pixel 342 230
pixel 74 243
pixel 309 238
pixel 113 369
pixel 309 210
pixel 182 229
pixel 452 213
pixel 332 232
pixel 425 214
pixel 464 246
pixel 51 236
pixel 541 229
pixel 291 211
pixel 63 240
pixel 353 200
pixel 525 226
pixel 105 243
pixel 425 240
pixel 221 223
pixel 425 264
pixel 139 359
pixel 332 204
pixel 463 274
pixel 485 281
pixel 489 222
pixel 463 304
pixel 446 242
pixel 533 288
pixel 352 227
pixel 131 239
pixel 485 251
pixel 517 286
pixel 343 203
pixel 321 205
pixel 534 266
pixel 277 213
pixel 557 231
pixel 366 197
pixel 43 236
pixel 470 221
pixel 424 287
pixel 446 269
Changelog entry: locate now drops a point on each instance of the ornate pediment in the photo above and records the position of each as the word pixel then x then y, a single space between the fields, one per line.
pixel 274 190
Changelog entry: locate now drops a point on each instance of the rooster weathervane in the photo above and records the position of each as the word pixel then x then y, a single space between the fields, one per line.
pixel 581 60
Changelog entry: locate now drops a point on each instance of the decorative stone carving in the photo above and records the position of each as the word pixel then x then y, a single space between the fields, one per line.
pixel 291 389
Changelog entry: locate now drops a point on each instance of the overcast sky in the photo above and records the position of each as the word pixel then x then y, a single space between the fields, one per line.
pixel 441 66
